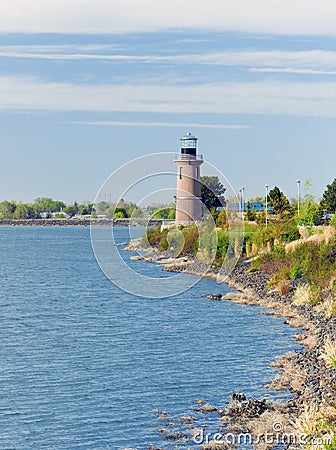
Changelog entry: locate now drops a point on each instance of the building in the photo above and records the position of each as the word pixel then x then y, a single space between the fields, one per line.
pixel 188 189
pixel 238 206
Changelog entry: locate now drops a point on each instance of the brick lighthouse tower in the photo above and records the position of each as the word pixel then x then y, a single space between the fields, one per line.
pixel 188 191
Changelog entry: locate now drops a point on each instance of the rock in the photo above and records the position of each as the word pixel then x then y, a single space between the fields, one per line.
pixel 207 408
pixel 213 445
pixel 164 417
pixel 187 419
pixel 177 436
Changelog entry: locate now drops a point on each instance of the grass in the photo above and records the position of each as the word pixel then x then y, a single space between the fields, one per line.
pixel 328 306
pixel 312 262
pixel 317 424
pixel 284 287
pixel 302 295
pixel 329 353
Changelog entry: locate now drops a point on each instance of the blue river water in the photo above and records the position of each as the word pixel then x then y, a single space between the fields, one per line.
pixel 85 365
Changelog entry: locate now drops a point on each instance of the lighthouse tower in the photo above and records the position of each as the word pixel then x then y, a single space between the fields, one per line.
pixel 188 191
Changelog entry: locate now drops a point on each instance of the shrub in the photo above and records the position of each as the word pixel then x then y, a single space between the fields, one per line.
pixel 222 246
pixel 317 423
pixel 190 234
pixel 283 287
pixel 296 271
pixel 118 215
pixel 302 295
pixel 222 220
pixel 334 285
pixel 152 236
pixel 329 306
pixel 329 353
pixel 333 221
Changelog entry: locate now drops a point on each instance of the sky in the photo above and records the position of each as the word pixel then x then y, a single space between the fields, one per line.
pixel 87 86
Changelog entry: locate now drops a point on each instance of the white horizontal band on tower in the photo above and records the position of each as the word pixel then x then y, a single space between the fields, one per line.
pixel 188 198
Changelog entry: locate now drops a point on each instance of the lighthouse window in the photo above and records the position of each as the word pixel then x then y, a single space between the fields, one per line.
pixel 197 173
pixel 180 173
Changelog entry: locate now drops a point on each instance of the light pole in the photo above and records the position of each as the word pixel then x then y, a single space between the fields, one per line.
pixel 266 187
pixel 240 201
pixel 299 195
pixel 243 201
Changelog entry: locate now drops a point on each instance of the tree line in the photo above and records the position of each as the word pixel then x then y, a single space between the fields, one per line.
pixel 42 207
pixel 212 192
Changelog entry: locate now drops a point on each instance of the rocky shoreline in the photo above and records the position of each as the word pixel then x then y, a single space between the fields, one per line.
pixel 311 382
pixel 78 222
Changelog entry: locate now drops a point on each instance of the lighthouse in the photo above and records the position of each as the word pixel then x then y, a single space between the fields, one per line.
pixel 188 190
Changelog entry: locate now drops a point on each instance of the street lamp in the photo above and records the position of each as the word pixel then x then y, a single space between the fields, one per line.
pixel 266 187
pixel 299 195
pixel 240 201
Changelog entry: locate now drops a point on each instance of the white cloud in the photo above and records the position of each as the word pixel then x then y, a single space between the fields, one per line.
pixel 164 124
pixel 116 16
pixel 293 70
pixel 300 98
pixel 315 62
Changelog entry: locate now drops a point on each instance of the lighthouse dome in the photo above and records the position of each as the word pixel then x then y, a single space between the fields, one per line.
pixel 188 144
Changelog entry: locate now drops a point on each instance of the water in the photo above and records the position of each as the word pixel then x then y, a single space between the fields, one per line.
pixel 84 365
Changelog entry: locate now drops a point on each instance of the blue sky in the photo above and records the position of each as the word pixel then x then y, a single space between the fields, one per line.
pixel 87 86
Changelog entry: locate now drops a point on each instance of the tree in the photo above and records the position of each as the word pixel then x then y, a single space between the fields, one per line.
pixel 7 209
pixel 120 213
pixel 70 210
pixel 24 211
pixel 261 218
pixel 101 207
pixel 75 205
pixel 328 201
pixel 47 205
pixel 222 220
pixel 164 213
pixel 310 213
pixel 212 192
pixel 58 205
pixel 250 214
pixel 85 209
pixel 44 204
pixel 279 202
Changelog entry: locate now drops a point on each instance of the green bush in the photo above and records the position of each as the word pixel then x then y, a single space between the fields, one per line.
pixel 296 271
pixel 222 246
pixel 315 262
pixel 152 236
pixel 190 234
pixel 333 221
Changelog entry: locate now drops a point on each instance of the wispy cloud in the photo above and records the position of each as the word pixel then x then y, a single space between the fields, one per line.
pixel 312 62
pixel 299 98
pixel 292 70
pixel 119 16
pixel 164 124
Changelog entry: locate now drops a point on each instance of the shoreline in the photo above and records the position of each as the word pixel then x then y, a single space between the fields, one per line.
pixel 86 222
pixel 302 372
